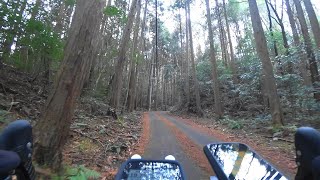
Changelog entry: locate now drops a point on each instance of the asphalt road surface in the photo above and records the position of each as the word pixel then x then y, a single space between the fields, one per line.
pixel 163 142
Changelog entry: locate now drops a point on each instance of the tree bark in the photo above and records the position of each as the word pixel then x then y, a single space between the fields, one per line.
pixel 267 69
pixel 221 35
pixel 216 86
pixel 187 78
pixel 293 26
pixel 51 131
pixel 140 81
pixel 232 58
pixel 117 83
pixel 313 21
pixel 135 52
pixel 315 79
pixel 150 86
pixel 193 71
pixel 297 43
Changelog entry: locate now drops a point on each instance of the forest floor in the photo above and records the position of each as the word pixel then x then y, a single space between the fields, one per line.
pixel 96 140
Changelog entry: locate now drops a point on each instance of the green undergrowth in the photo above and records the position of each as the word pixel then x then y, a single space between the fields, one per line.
pixel 232 123
pixel 79 172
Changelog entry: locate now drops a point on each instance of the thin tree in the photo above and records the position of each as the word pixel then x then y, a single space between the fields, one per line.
pixel 51 131
pixel 279 21
pixel 267 68
pixel 232 56
pixel 193 66
pixel 275 47
pixel 222 36
pixel 216 86
pixel 187 74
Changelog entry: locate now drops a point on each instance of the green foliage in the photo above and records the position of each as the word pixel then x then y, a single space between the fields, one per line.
pixel 121 121
pixel 204 71
pixel 235 124
pixel 39 42
pixel 295 97
pixel 70 2
pixel 78 173
pixel 113 11
pixel 224 73
pixel 43 40
pixel 204 68
pixel 232 123
pixel 277 38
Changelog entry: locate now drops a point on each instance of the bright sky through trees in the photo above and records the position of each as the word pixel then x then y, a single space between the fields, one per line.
pixel 198 19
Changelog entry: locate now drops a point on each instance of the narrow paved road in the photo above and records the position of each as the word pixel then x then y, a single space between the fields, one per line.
pixel 164 142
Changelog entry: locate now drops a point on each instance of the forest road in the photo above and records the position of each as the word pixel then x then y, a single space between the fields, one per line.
pixel 164 140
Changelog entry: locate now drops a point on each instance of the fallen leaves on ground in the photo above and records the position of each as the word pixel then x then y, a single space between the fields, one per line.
pixel 100 142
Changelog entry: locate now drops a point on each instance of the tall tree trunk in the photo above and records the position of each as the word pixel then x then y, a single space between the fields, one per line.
pixel 51 131
pixel 297 43
pixel 157 85
pixel 117 83
pixel 293 26
pixel 267 69
pixel 135 53
pixel 141 50
pixel 221 35
pixel 232 59
pixel 313 22
pixel 193 70
pixel 156 57
pixel 216 86
pixel 187 78
pixel 315 79
pixel 151 74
